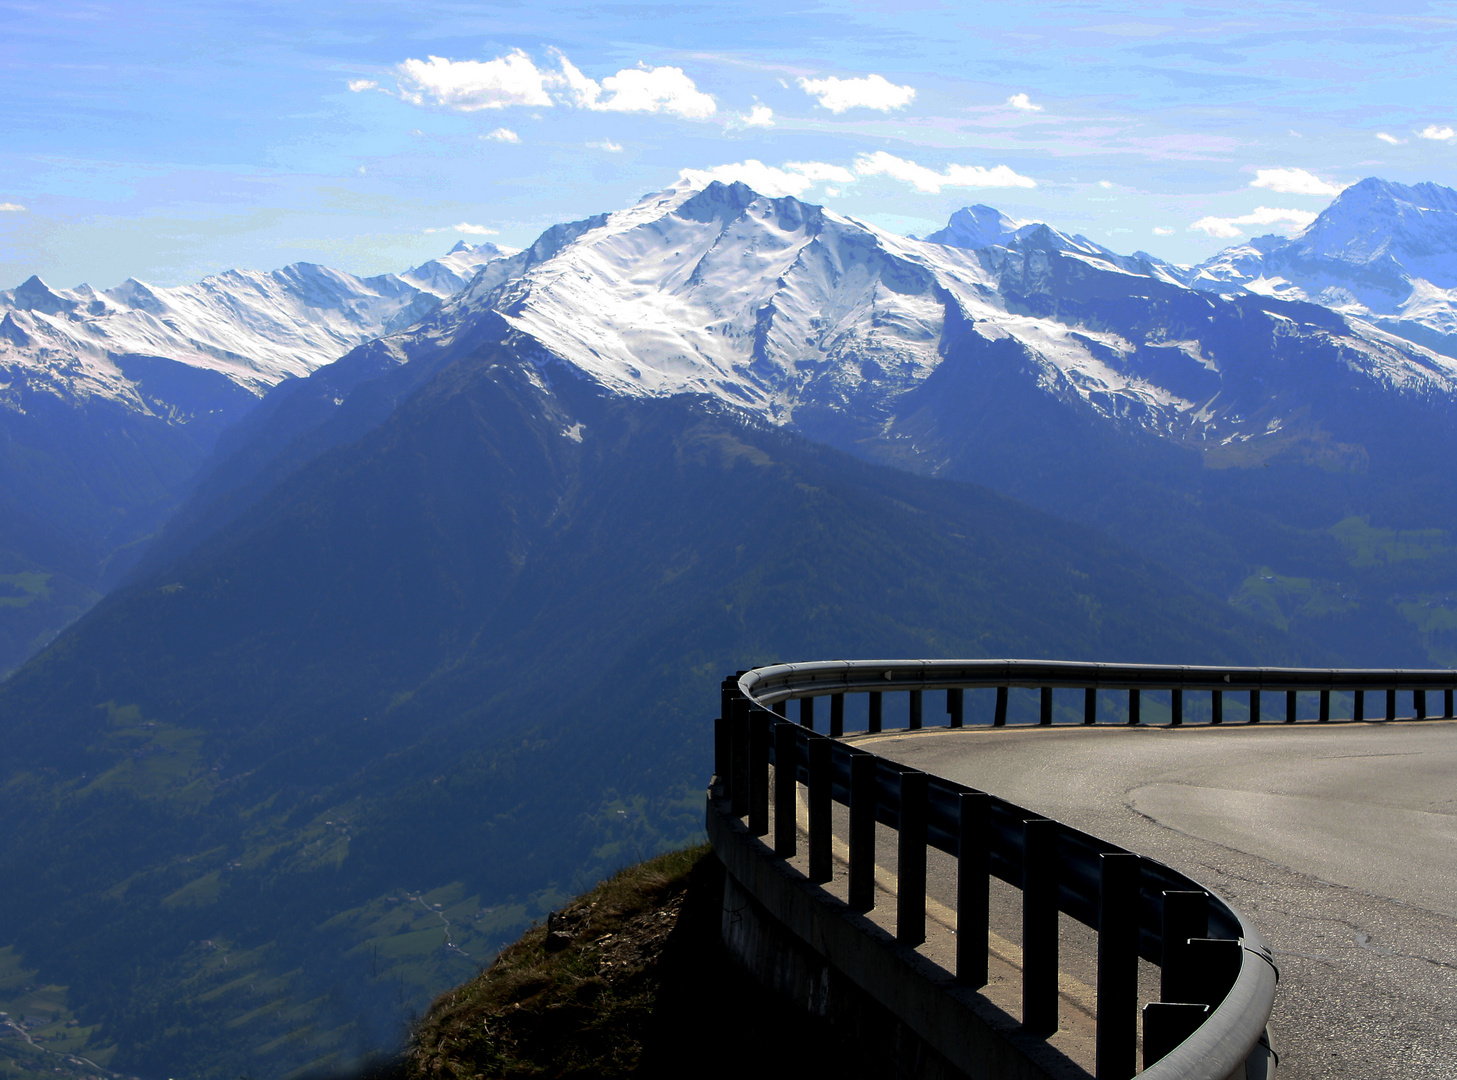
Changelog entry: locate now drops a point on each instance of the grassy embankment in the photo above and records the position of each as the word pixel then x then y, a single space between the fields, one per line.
pixel 630 979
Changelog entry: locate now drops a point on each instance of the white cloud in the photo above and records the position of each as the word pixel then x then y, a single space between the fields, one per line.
pixel 1023 102
pixel 929 181
pixel 760 116
pixel 502 135
pixel 832 191
pixel 1105 184
pixel 464 227
pixel 1392 139
pixel 361 85
pixel 1159 230
pixel 1440 134
pixel 819 171
pixel 471 85
pixel 1293 182
pixel 11 208
pixel 794 178
pixel 870 92
pixel 515 79
pixel 639 89
pixel 1262 215
pixel 606 145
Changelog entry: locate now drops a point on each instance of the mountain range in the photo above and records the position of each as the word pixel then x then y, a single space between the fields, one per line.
pixel 110 402
pixel 421 640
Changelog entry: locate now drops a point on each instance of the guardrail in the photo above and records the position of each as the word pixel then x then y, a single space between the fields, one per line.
pixel 1217 981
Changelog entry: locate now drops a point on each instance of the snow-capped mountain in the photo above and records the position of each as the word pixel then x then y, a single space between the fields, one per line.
pixel 825 323
pixel 1381 252
pixel 252 328
pixel 111 400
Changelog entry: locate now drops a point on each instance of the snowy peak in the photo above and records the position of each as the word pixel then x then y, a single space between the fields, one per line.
pixel 978 226
pixel 1381 251
pixel 1379 224
pixel 251 327
pixel 982 227
pixel 818 321
pixel 769 303
pixel 447 275
pixel 35 295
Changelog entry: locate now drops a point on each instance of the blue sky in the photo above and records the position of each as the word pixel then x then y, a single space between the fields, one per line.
pixel 167 141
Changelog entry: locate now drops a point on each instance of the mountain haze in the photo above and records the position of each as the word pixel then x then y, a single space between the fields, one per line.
pixel 463 659
pixel 432 638
pixel 111 400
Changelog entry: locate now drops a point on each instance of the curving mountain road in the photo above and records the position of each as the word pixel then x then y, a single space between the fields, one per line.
pixel 1339 841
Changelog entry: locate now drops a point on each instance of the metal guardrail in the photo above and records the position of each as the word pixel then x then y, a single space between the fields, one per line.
pixel 1217 980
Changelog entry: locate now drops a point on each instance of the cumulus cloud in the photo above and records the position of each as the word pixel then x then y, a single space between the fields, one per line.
pixel 870 92
pixel 11 208
pixel 1228 227
pixel 606 145
pixel 471 85
pixel 516 79
pixel 639 89
pixel 760 116
pixel 502 135
pixel 1023 102
pixel 1293 182
pixel 361 85
pixel 1159 230
pixel 1392 139
pixel 929 181
pixel 793 178
pixel 1105 184
pixel 465 227
pixel 1440 134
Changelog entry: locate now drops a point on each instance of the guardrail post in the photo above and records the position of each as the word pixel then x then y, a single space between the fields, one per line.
pixel 910 860
pixel 999 718
pixel 1419 703
pixel 1044 716
pixel 1040 859
pixel 1213 967
pixel 837 715
pixel 739 740
pixel 1447 704
pixel 1291 706
pixel 1090 705
pixel 723 754
pixel 1134 708
pixel 1254 706
pixel 862 832
pixel 786 793
pixel 1186 916
pixel 875 705
pixel 1325 707
pixel 1116 1054
pixel 973 876
pixel 1391 704
pixel 759 736
pixel 1176 707
pixel 807 712
pixel 1166 1025
pixel 821 862
pixel 913 719
pixel 1358 709
pixel 1216 706
pixel 956 706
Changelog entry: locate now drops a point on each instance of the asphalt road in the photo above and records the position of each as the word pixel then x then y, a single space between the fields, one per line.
pixel 1339 841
